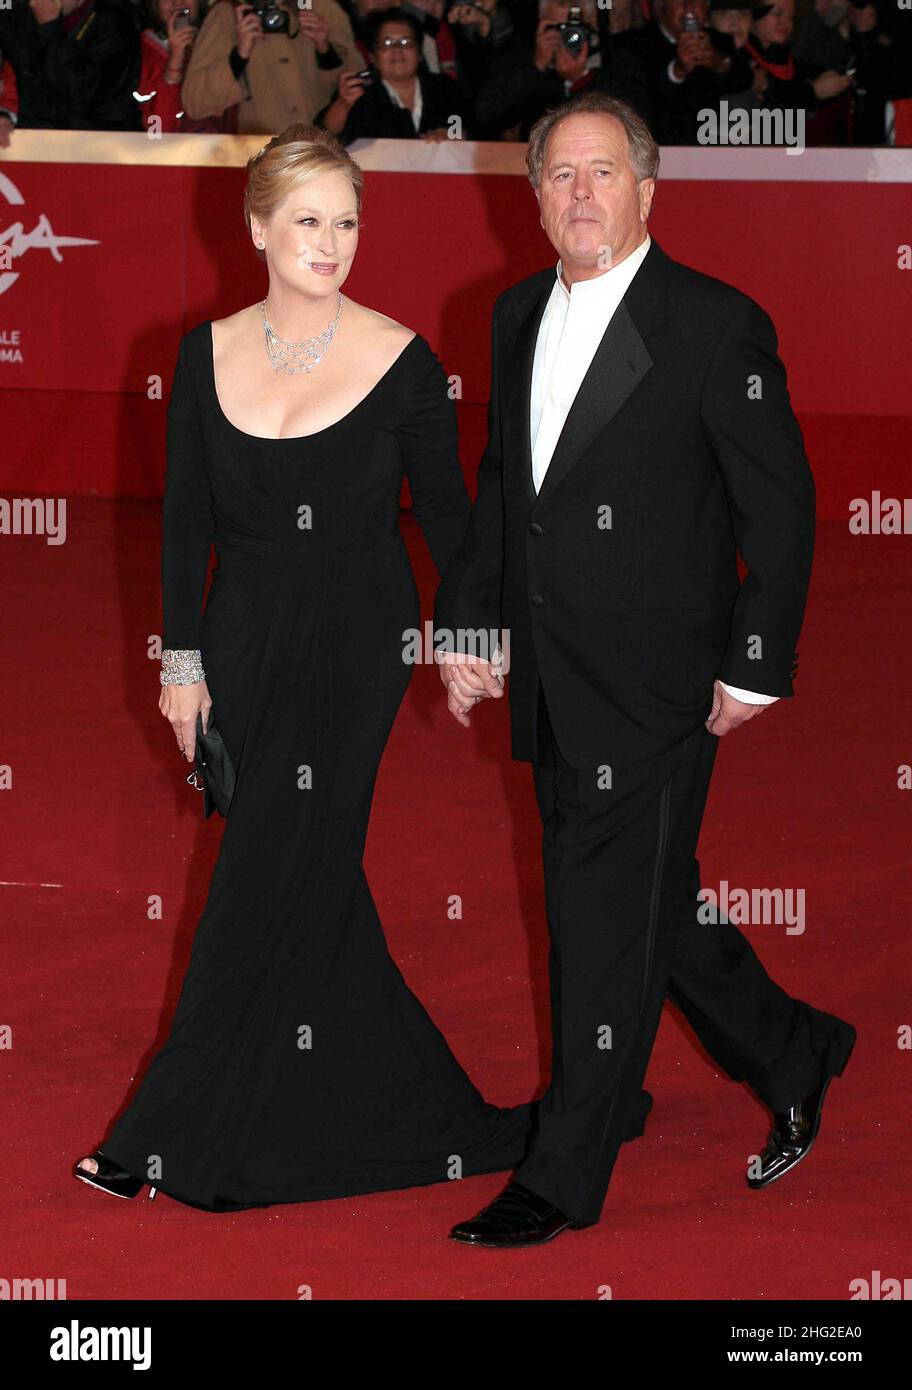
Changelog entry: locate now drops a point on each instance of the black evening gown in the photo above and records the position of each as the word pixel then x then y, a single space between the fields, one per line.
pixel 299 1065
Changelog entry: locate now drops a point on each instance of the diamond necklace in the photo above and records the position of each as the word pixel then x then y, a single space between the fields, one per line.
pixel 297 357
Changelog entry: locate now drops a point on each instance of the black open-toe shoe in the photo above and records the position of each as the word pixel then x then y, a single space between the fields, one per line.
pixel 110 1178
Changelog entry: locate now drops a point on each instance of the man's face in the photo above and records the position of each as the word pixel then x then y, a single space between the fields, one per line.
pixel 592 208
pixel 671 14
pixel 734 22
pixel 776 27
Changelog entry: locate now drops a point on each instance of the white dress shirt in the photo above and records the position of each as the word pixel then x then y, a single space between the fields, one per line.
pixel 415 111
pixel 572 326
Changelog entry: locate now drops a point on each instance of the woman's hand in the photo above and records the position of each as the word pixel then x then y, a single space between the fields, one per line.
pixel 249 29
pixel 315 27
pixel 179 43
pixel 351 89
pixel 180 704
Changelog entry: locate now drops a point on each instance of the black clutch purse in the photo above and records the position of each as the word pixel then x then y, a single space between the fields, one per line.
pixel 213 768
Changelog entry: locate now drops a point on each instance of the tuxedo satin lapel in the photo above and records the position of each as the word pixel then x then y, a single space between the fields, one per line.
pixel 621 361
pixel 518 358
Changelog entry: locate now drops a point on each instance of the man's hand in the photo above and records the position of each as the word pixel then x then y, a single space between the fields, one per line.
pixel 468 679
pixel 728 713
pixel 571 66
pixel 45 10
pixel 831 84
pixel 708 56
pixel 688 54
pixel 468 14
pixel 546 42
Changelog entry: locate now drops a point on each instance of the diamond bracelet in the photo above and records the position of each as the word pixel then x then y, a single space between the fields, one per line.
pixel 181 667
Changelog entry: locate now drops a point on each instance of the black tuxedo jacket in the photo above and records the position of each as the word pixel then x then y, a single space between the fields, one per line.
pixel 618 583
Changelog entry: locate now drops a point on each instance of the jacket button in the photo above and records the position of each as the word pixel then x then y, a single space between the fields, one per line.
pixel 537 600
pixel 536 529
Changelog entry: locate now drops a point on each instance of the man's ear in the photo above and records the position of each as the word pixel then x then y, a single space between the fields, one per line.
pixel 646 191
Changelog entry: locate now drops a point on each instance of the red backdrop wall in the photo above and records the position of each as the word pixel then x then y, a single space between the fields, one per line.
pixel 112 262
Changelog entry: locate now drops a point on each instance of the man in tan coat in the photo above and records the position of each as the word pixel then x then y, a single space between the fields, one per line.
pixel 274 79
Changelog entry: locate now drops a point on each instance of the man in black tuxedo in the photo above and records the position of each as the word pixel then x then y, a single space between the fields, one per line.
pixel 640 436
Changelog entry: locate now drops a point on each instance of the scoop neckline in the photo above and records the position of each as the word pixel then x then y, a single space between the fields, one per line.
pixel 314 434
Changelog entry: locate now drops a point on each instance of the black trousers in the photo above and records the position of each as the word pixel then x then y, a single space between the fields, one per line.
pixel 621 883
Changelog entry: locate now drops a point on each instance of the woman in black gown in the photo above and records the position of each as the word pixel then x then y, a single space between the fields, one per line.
pixel 299 1064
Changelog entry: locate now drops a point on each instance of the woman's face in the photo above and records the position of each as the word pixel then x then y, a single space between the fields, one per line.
pixel 398 63
pixel 776 27
pixel 734 22
pixel 311 240
pixel 166 8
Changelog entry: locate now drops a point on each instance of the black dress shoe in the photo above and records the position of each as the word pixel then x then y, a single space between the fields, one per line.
pixel 517 1217
pixel 791 1138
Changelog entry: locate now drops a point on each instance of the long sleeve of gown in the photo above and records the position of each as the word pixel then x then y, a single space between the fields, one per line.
pixel 429 442
pixel 187 515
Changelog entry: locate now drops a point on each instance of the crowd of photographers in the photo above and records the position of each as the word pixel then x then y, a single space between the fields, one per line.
pixel 443 69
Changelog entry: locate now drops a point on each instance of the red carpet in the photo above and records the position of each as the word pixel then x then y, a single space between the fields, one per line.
pixel 98 822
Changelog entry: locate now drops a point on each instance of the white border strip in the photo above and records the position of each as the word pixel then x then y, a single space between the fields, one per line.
pixel 749 164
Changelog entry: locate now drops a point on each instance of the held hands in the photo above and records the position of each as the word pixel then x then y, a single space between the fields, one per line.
pixel 727 713
pixel 469 679
pixel 180 704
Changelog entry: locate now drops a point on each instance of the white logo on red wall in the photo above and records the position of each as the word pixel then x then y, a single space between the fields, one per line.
pixel 42 237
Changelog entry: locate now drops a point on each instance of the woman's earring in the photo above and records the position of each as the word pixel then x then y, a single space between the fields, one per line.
pixel 260 245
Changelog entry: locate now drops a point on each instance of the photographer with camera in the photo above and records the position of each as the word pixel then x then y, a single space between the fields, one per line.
pixel 169 28
pixel 688 67
pixel 850 36
pixel 394 99
pixel 276 64
pixel 481 32
pixel 564 62
pixel 76 63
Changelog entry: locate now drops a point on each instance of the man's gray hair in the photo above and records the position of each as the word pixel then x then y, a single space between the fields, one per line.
pixel 644 152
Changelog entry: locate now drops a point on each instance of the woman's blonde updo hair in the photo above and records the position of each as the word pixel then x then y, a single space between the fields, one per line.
pixel 299 154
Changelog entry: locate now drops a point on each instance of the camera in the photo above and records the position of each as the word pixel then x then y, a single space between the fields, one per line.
pixel 574 31
pixel 182 20
pixel 272 19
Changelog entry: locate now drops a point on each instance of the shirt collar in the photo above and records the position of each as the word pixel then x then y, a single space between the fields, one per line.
pixel 602 285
